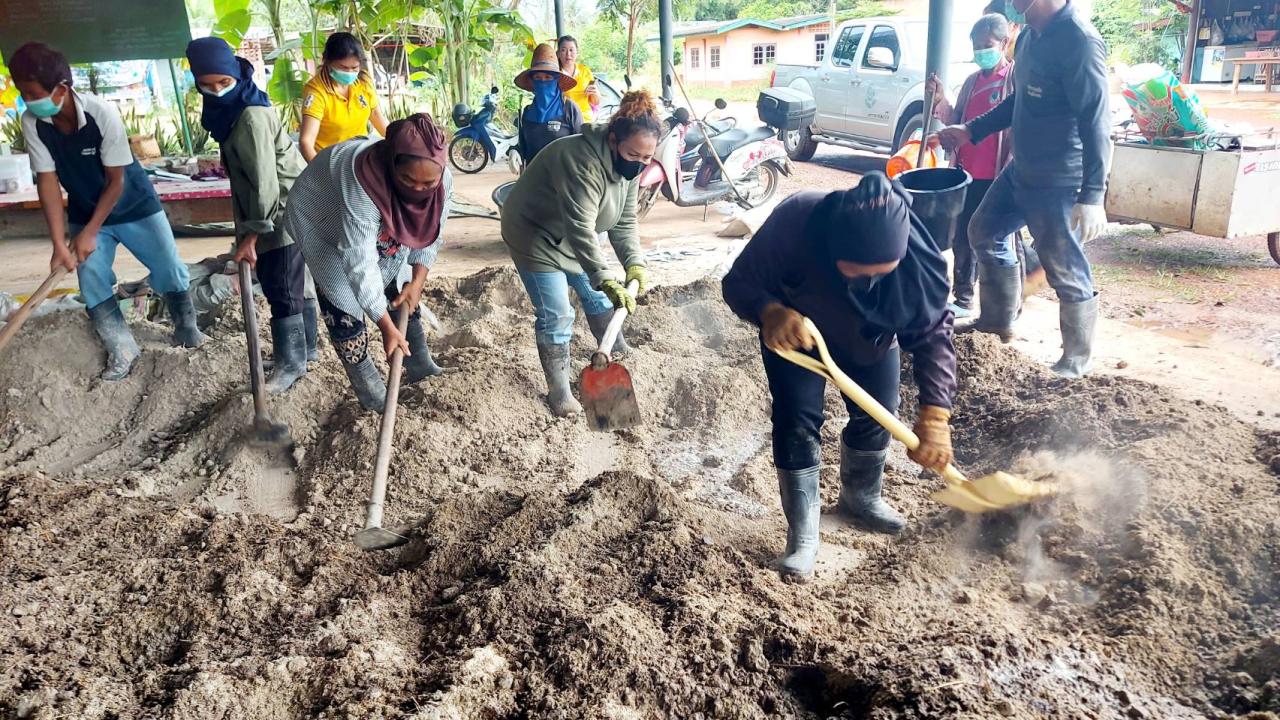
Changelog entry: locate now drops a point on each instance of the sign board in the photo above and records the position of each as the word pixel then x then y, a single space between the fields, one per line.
pixel 97 30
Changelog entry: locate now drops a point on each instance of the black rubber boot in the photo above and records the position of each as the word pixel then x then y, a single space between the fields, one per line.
pixel 598 324
pixel 803 508
pixel 289 348
pixel 122 349
pixel 1000 299
pixel 185 332
pixel 555 365
pixel 365 379
pixel 419 364
pixel 861 481
pixel 1077 322
pixel 310 318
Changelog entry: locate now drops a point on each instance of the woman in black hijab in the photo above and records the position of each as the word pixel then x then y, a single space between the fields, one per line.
pixel 862 267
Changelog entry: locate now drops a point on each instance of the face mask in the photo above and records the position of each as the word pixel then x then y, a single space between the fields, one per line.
pixel 545 88
pixel 221 93
pixel 45 107
pixel 987 58
pixel 343 77
pixel 1013 15
pixel 863 284
pixel 629 169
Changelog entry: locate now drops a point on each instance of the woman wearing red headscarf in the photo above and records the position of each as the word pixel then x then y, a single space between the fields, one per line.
pixel 369 215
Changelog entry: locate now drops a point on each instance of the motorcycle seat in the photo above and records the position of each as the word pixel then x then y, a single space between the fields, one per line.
pixel 730 140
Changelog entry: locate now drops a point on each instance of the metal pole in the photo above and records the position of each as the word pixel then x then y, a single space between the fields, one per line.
pixel 665 42
pixel 935 62
pixel 182 109
pixel 559 6
pixel 1193 35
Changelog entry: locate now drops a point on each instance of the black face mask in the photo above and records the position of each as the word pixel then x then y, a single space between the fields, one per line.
pixel 628 169
pixel 863 284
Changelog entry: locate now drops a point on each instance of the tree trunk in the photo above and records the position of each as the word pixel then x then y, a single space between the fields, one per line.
pixel 631 38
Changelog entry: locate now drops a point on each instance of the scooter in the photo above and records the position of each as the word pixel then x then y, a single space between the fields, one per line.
pixel 753 158
pixel 694 138
pixel 478 140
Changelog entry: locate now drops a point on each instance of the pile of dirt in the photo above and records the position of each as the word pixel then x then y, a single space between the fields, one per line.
pixel 147 570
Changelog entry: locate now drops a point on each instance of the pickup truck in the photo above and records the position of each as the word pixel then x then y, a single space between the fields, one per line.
pixel 869 87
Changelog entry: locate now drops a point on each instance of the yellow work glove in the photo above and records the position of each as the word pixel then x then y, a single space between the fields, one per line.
pixel 640 275
pixel 618 295
pixel 933 427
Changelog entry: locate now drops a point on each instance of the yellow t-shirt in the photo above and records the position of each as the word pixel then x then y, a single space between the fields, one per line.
pixel 579 92
pixel 340 118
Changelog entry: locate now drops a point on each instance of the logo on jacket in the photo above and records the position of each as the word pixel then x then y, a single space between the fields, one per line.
pixel 1035 91
pixel 89 151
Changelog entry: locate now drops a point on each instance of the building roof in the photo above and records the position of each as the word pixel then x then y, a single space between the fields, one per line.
pixel 720 27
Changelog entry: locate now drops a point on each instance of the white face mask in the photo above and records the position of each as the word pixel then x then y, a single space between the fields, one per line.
pixel 221 92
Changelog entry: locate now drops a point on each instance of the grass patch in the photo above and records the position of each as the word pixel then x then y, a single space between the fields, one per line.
pixel 730 94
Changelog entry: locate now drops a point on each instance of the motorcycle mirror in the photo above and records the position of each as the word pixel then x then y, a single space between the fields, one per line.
pixel 494 90
pixel 721 104
pixel 682 116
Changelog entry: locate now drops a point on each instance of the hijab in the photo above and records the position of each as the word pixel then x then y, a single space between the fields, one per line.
pixel 218 115
pixel 409 217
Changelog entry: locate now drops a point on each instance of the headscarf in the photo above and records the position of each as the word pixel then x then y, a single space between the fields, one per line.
pixel 548 102
pixel 409 217
pixel 218 115
pixel 872 224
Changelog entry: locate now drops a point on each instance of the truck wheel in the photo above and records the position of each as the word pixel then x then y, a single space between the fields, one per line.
pixel 914 122
pixel 799 144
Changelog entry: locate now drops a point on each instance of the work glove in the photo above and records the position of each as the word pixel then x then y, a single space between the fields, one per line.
pixel 641 275
pixel 934 430
pixel 618 295
pixel 1088 221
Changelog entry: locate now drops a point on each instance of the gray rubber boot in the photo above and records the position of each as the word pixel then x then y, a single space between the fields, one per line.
pixel 599 323
pixel 802 506
pixel 289 349
pixel 365 379
pixel 555 365
pixel 122 349
pixel 418 365
pixel 310 319
pixel 861 481
pixel 1000 299
pixel 1077 322
pixel 185 332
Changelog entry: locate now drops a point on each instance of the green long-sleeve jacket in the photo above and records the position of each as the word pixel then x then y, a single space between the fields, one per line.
pixel 567 196
pixel 262 163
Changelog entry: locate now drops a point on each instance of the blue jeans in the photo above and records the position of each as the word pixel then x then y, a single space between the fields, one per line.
pixel 553 313
pixel 1046 212
pixel 150 240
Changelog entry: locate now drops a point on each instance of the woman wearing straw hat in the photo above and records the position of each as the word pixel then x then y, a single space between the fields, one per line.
pixel 549 117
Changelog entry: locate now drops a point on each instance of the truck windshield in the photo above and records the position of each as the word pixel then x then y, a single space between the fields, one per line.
pixel 961 45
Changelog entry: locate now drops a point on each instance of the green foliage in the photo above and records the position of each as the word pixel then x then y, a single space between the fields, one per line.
pixel 603 47
pixel 285 89
pixel 716 10
pixel 11 132
pixel 233 20
pixel 770 9
pixel 1118 20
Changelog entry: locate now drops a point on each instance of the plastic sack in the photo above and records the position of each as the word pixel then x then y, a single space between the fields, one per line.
pixel 1216 36
pixel 1167 112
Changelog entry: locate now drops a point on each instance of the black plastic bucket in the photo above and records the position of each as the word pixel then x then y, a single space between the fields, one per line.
pixel 501 192
pixel 937 197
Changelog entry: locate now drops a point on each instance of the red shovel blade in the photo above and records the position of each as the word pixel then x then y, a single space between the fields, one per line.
pixel 608 398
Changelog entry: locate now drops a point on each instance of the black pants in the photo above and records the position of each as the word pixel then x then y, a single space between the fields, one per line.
pixel 797 407
pixel 282 274
pixel 347 332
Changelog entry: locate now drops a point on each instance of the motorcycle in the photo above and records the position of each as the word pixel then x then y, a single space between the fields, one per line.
pixel 694 138
pixel 478 140
pixel 753 158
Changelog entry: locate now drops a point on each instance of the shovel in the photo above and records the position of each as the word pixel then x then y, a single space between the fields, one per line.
pixel 374 536
pixel 265 431
pixel 997 491
pixel 608 398
pixel 20 316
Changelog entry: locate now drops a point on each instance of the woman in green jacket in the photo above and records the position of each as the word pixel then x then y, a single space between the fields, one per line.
pixel 576 188
pixel 262 163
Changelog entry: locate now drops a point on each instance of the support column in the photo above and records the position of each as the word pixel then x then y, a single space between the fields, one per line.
pixel 665 41
pixel 1193 34
pixel 939 48
pixel 559 6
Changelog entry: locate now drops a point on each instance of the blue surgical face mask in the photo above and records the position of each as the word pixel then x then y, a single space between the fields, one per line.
pixel 987 58
pixel 342 77
pixel 222 92
pixel 45 107
pixel 1013 15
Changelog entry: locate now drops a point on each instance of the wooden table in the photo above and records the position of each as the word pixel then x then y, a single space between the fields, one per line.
pixel 1264 63
pixel 186 203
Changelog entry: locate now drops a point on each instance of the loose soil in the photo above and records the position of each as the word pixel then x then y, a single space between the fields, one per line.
pixel 145 572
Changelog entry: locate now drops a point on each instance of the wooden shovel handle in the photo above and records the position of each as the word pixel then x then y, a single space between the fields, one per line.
pixel 610 335
pixel 382 465
pixel 257 379
pixel 18 318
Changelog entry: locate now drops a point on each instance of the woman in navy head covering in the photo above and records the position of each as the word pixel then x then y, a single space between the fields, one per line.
pixel 262 163
pixel 862 267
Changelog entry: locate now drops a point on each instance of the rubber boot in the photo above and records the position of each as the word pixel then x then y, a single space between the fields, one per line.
pixel 802 506
pixel 310 318
pixel 1077 322
pixel 418 365
pixel 365 379
pixel 185 332
pixel 122 349
pixel 289 348
pixel 861 480
pixel 599 323
pixel 1000 294
pixel 555 365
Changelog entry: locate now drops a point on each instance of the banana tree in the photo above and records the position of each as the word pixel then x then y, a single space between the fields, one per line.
pixel 471 25
pixel 234 19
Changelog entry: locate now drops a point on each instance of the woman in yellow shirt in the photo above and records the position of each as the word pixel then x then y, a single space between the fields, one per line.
pixel 340 101
pixel 584 94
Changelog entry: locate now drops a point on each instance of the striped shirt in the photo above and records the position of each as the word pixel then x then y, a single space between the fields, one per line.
pixel 336 225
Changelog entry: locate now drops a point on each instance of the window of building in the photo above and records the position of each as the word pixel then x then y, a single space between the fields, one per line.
pixel 763 54
pixel 695 57
pixel 846 48
pixel 819 47
pixel 882 37
pixel 714 57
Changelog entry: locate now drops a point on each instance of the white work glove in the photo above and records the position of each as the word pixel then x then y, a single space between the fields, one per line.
pixel 1088 221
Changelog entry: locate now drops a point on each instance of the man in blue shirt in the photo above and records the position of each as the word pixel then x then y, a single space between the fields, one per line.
pixel 1057 180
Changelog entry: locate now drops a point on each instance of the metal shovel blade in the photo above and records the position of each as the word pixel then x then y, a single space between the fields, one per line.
pixel 997 491
pixel 608 398
pixel 380 538
pixel 266 431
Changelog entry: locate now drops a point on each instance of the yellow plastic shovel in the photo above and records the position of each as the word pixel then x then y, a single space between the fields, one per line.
pixel 997 491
